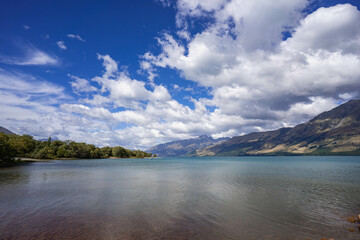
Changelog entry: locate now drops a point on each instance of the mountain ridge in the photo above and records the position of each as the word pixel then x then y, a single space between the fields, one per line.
pixel 183 147
pixel 330 133
pixel 6 131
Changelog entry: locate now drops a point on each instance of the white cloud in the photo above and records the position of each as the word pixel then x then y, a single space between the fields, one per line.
pixel 26 27
pixel 253 73
pixel 94 113
pixel 165 3
pixel 196 8
pixel 148 68
pixel 98 100
pixel 124 91
pixel 256 79
pixel 81 85
pixel 33 56
pixel 310 109
pixel 24 84
pixel 333 29
pixel 259 24
pixel 153 117
pixel 76 36
pixel 29 105
pixel 110 65
pixel 61 45
pixel 184 34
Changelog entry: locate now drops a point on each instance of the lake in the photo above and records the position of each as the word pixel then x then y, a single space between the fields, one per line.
pixel 241 198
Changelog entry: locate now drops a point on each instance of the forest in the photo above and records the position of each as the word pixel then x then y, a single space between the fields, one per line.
pixel 25 146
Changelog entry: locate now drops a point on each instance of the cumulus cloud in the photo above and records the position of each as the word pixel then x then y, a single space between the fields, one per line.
pixel 151 115
pixel 259 24
pixel 28 105
pixel 122 90
pixel 253 72
pixel 81 85
pixel 256 79
pixel 333 29
pixel 76 36
pixel 196 8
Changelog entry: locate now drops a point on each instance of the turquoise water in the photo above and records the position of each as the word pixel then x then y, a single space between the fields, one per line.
pixel 181 198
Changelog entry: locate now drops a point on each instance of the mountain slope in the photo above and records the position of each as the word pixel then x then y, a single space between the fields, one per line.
pixel 6 131
pixel 183 147
pixel 333 132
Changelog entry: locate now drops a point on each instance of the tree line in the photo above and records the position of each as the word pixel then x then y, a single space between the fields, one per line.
pixel 12 146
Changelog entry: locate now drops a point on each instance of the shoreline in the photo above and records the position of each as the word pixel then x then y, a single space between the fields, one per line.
pixel 19 160
pixel 29 160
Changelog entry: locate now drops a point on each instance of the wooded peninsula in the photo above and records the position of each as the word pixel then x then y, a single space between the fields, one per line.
pixel 15 146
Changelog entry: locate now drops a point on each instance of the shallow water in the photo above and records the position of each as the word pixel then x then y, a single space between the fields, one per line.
pixel 241 198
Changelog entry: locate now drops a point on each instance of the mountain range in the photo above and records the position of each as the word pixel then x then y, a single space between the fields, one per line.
pixel 335 132
pixel 185 147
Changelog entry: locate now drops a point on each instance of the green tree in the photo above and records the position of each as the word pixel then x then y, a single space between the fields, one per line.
pixel 62 151
pixel 26 146
pixel 49 141
pixel 7 152
pixel 23 145
pixel 95 153
pixel 119 152
pixel 105 152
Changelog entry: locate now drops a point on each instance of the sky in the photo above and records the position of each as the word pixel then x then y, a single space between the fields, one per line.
pixel 137 73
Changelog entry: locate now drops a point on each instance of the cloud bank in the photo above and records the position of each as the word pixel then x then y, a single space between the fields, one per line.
pixel 264 64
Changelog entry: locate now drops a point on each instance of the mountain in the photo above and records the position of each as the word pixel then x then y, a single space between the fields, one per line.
pixel 183 147
pixel 335 132
pixel 46 139
pixel 6 131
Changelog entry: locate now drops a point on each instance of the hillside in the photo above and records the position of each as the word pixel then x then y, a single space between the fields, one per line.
pixel 6 131
pixel 183 147
pixel 333 132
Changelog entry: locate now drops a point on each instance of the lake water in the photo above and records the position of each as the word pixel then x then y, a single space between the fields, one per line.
pixel 241 198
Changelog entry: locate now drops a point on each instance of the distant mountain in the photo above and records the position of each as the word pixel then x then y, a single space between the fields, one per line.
pixel 183 147
pixel 6 131
pixel 335 132
pixel 46 139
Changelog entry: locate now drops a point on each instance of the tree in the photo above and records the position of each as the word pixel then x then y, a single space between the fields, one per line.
pixel 95 153
pixel 26 146
pixel 22 144
pixel 105 152
pixel 62 151
pixel 49 141
pixel 7 152
pixel 119 152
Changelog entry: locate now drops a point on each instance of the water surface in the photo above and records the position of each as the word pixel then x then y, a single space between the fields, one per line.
pixel 240 198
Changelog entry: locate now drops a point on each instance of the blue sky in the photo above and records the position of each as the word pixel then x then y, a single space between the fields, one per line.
pixel 139 73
